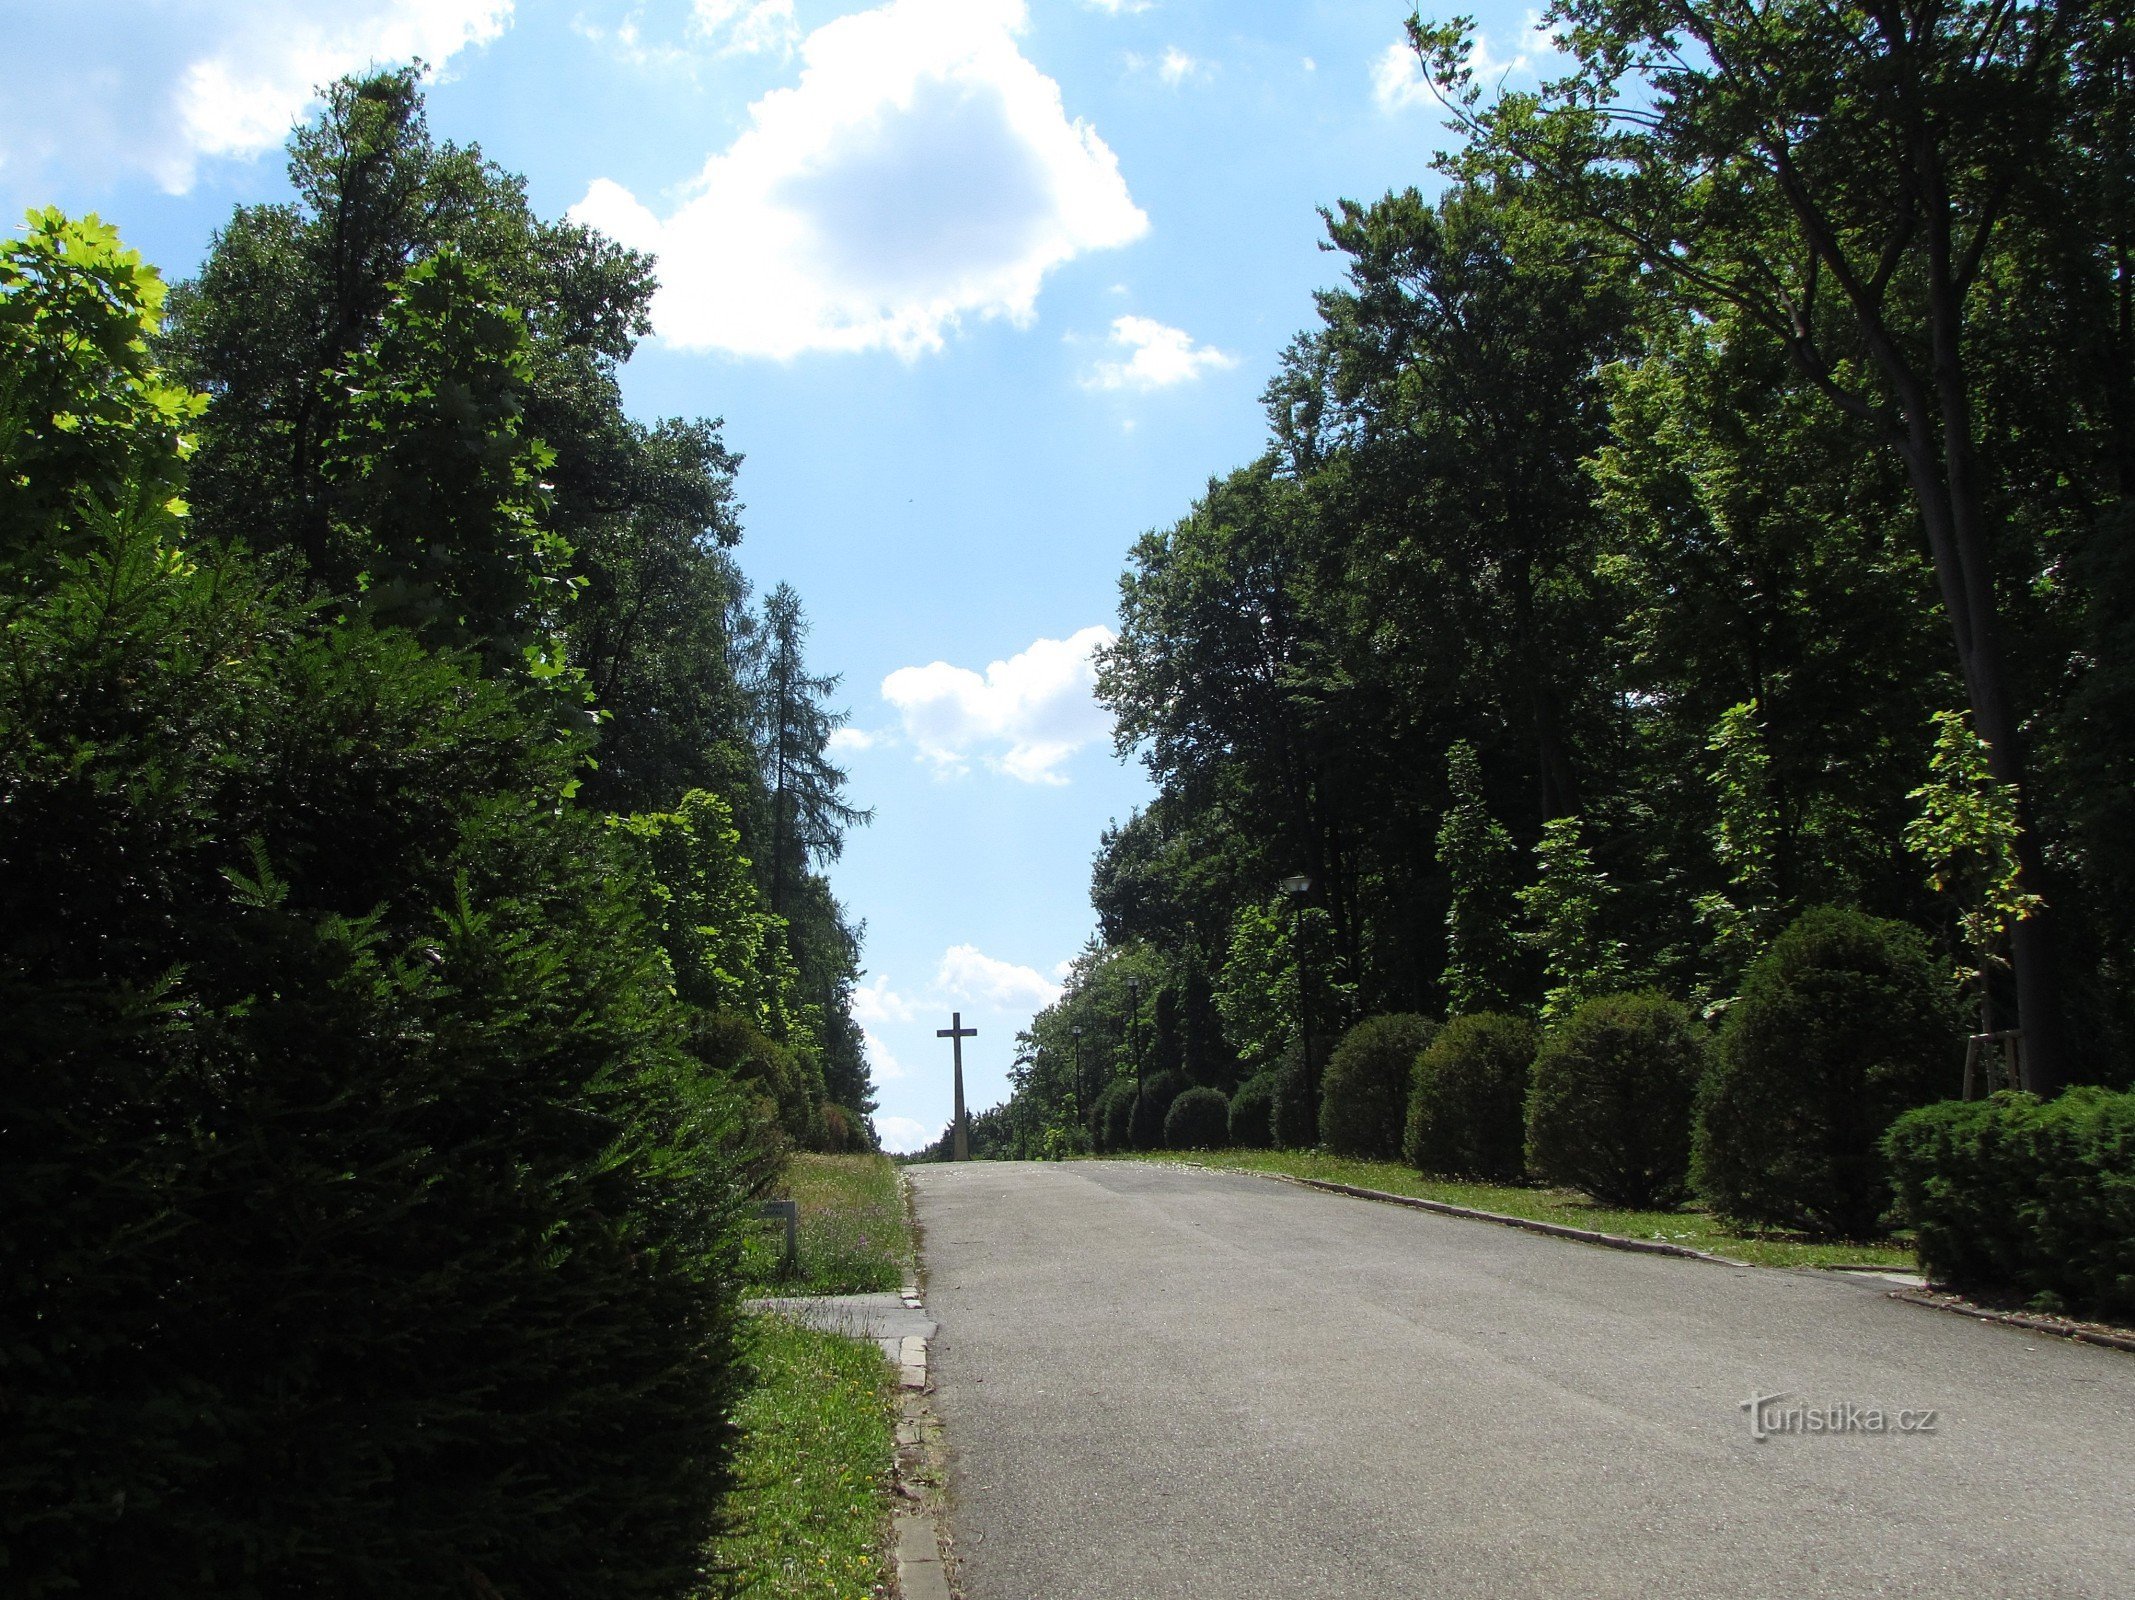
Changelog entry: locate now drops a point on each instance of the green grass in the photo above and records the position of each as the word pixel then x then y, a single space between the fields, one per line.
pixel 854 1235
pixel 809 1513
pixel 1688 1226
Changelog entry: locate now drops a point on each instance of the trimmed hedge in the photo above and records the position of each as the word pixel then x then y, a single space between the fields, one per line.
pixel 1113 1123
pixel 1610 1110
pixel 2017 1194
pixel 1253 1113
pixel 1468 1108
pixel 1199 1119
pixel 1146 1128
pixel 1842 1024
pixel 1293 1123
pixel 1364 1096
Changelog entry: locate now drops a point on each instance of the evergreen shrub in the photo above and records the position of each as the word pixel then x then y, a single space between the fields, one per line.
pixel 1468 1110
pixel 1113 1122
pixel 1292 1121
pixel 1364 1096
pixel 1610 1107
pixel 1252 1113
pixel 369 1232
pixel 1146 1127
pixel 1844 1023
pixel 1200 1119
pixel 2015 1194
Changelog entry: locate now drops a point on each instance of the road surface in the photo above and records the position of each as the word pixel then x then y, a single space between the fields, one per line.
pixel 1162 1382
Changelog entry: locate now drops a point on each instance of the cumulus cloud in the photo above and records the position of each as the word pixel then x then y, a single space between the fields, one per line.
pixel 970 975
pixel 747 27
pixel 920 171
pixel 904 1135
pixel 1160 357
pixel 877 1002
pixel 100 88
pixel 885 1066
pixel 1397 80
pixel 1176 66
pixel 848 739
pixel 1024 716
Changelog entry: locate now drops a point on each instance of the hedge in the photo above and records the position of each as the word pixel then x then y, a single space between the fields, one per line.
pixel 1365 1095
pixel 1199 1119
pixel 1610 1108
pixel 1252 1124
pixel 1468 1107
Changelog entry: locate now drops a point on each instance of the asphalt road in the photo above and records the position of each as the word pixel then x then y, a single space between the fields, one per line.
pixel 1159 1382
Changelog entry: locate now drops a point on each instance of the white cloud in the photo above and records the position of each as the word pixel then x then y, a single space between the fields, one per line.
pixel 904 1135
pixel 844 739
pixel 878 1002
pixel 1024 716
pixel 884 1065
pixel 1119 8
pixel 1397 81
pixel 969 974
pixel 1162 357
pixel 920 171
pixel 102 87
pixel 748 27
pixel 1177 66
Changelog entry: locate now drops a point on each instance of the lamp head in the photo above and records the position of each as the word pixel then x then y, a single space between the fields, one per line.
pixel 1296 884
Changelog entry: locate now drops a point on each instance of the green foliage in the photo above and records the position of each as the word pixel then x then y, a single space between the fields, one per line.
pixel 87 422
pixel 1199 1119
pixel 1610 1109
pixel 1843 1024
pixel 1256 992
pixel 786 1081
pixel 1477 855
pixel 1252 1112
pixel 1365 1093
pixel 438 502
pixel 1567 907
pixel 1114 1117
pixel 1467 1114
pixel 2015 1194
pixel 1967 829
pixel 344 1123
pixel 1744 840
pixel 1145 1128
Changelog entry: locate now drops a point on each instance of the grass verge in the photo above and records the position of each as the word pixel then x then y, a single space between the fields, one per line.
pixel 809 1513
pixel 1700 1230
pixel 854 1237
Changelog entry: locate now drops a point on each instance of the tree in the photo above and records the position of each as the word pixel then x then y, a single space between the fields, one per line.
pixel 1843 177
pixel 1477 855
pixel 1567 908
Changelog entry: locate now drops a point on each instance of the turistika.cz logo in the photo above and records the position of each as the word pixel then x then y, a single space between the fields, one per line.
pixel 1770 1414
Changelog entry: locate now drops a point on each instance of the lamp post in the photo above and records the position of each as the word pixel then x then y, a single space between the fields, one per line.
pixel 1082 1100
pixel 1134 1030
pixel 1297 887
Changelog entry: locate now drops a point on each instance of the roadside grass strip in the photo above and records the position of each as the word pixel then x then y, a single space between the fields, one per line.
pixel 854 1238
pixel 809 1515
pixel 1688 1226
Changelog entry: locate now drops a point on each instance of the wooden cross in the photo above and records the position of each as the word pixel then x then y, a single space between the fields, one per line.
pixel 956 1033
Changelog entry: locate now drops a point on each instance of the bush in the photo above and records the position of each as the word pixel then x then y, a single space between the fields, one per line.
pixel 1114 1119
pixel 1252 1113
pixel 1200 1119
pixel 1146 1127
pixel 1841 1025
pixel 1468 1112
pixel 1364 1097
pixel 2015 1194
pixel 1293 1123
pixel 1615 1084
pixel 368 1230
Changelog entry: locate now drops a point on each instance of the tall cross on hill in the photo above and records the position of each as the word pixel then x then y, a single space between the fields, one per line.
pixel 956 1033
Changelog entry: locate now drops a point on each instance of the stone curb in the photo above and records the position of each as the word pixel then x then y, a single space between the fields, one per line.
pixel 1559 1230
pixel 2018 1319
pixel 921 1541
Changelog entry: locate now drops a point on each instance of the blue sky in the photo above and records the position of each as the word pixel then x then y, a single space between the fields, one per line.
pixel 982 289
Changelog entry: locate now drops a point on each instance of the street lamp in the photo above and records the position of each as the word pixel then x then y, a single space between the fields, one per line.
pixel 1134 1030
pixel 1082 1099
pixel 1297 886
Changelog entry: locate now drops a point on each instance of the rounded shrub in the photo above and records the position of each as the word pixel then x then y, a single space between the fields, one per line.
pixel 1841 1026
pixel 1200 1119
pixel 1112 1123
pixel 1159 1089
pixel 1615 1087
pixel 1292 1121
pixel 1253 1113
pixel 1468 1108
pixel 1364 1095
